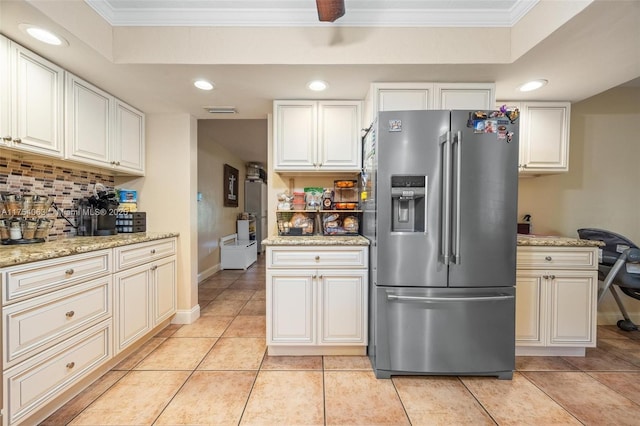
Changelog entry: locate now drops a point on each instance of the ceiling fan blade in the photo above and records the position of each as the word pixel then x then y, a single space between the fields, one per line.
pixel 330 10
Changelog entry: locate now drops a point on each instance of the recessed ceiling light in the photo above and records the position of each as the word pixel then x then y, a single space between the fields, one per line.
pixel 532 85
pixel 203 84
pixel 317 85
pixel 43 35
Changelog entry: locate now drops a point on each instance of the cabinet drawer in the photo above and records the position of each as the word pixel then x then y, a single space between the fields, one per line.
pixel 37 278
pixel 38 323
pixel 557 258
pixel 35 382
pixel 304 257
pixel 137 254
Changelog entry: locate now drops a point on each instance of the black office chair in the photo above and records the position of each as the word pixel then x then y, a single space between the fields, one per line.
pixel 620 265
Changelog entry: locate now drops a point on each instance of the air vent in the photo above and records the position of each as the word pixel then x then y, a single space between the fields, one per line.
pixel 221 109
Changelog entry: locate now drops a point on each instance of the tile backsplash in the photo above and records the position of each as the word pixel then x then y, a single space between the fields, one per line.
pixel 63 182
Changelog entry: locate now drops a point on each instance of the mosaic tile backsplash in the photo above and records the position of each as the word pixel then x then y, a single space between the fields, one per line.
pixel 65 184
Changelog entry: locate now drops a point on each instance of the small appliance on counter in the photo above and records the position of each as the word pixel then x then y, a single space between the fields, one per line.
pixel 97 214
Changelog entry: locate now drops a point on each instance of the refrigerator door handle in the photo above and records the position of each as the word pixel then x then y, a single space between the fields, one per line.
pixel 456 248
pixel 446 210
pixel 448 299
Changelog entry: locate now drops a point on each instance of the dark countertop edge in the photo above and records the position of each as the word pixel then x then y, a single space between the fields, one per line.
pixel 14 255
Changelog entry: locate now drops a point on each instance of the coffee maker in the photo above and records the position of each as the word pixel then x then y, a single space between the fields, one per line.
pixel 97 215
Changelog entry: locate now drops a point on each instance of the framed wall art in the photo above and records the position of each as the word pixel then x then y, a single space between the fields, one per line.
pixel 230 190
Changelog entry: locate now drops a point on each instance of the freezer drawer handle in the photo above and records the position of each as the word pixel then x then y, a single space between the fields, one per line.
pixel 448 299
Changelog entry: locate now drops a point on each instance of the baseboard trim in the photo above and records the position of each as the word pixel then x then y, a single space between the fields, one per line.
pixel 186 316
pixel 208 272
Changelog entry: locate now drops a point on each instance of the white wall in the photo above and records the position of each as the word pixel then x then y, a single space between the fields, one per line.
pixel 214 220
pixel 168 194
pixel 601 188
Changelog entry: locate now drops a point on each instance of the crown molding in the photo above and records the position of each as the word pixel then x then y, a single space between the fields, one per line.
pixel 290 13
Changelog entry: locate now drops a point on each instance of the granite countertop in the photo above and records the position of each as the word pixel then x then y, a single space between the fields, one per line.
pixel 555 241
pixel 11 255
pixel 317 240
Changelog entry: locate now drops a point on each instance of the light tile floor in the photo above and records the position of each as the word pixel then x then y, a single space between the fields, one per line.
pixel 215 372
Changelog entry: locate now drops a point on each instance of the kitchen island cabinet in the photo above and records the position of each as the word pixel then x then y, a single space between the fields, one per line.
pixel 316 136
pixel 317 297
pixel 556 298
pixel 73 308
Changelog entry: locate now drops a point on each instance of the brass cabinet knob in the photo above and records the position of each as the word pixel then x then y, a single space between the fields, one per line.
pixel 154 267
pixel 70 365
pixel 70 314
pixel 548 258
pixel 153 251
pixel 17 140
pixel 317 258
pixel 553 277
pixel 69 271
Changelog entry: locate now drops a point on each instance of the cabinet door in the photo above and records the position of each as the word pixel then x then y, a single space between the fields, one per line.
pixel 132 305
pixel 404 99
pixel 89 112
pixel 342 307
pixel 572 308
pixel 544 137
pixel 128 139
pixel 291 307
pixel 295 135
pixel 38 90
pixel 464 96
pixel 5 92
pixel 165 296
pixel 339 136
pixel 530 308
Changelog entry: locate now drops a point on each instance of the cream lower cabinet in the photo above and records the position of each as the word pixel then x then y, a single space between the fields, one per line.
pixel 146 294
pixel 57 329
pixel 321 310
pixel 556 300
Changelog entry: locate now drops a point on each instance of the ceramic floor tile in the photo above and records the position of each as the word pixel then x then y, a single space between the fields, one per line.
pixel 600 360
pixel 543 363
pixel 247 326
pixel 285 398
pixel 205 326
pixel 586 398
pixel 607 330
pixel 292 363
pixel 223 308
pixel 230 294
pixel 219 283
pixel 253 284
pixel 347 363
pixel 625 383
pixel 208 293
pixel 134 359
pixel 137 399
pixel 72 408
pixel 358 398
pixel 260 295
pixel 439 401
pixel 235 353
pixel 177 354
pixel 254 307
pixel 517 401
pixel 210 398
pixel 168 330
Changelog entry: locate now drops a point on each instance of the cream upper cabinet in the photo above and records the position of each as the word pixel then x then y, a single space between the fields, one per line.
pixel 544 136
pixel 128 139
pixel 556 307
pixel 31 103
pixel 480 96
pixel 89 113
pixel 425 96
pixel 101 130
pixel 317 136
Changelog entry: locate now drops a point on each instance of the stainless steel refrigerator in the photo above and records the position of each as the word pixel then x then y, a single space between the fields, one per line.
pixel 441 215
pixel 255 202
